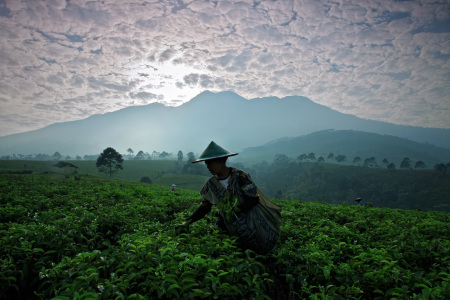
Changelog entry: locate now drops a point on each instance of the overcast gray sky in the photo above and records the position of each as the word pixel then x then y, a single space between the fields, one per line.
pixel 66 60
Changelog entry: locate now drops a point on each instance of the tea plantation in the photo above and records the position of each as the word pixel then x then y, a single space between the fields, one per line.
pixel 110 239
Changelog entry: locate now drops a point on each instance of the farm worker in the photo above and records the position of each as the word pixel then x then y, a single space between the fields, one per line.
pixel 243 211
pixel 360 202
pixel 173 187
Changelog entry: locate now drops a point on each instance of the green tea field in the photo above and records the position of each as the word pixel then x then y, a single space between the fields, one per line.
pixel 101 238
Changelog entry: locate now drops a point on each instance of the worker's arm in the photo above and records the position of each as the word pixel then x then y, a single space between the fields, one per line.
pixel 204 208
pixel 202 211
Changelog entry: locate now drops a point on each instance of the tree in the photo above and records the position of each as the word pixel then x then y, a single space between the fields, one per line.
pixel 367 162
pixel 155 154
pixel 57 156
pixel 190 157
pixel 357 160
pixel 302 157
pixel 419 165
pixel 131 152
pixel 140 155
pixel 405 164
pixel 370 162
pixel 340 158
pixel 146 179
pixel 391 166
pixel 163 155
pixel 109 161
pixel 180 155
pixel 190 168
pixel 320 159
pixel 281 160
pixel 330 156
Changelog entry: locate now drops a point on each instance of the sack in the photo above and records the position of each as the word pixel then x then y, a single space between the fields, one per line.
pixel 272 211
pixel 259 228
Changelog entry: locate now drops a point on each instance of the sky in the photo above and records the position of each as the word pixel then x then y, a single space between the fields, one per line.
pixel 64 60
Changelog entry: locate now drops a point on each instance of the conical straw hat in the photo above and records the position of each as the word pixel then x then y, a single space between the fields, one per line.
pixel 213 151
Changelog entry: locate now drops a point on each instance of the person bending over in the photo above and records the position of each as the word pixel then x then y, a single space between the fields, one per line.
pixel 243 211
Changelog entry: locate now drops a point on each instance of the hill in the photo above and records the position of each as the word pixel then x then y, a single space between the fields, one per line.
pixel 225 117
pixel 350 143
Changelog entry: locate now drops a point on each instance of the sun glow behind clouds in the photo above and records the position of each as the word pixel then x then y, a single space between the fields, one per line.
pixel 382 60
pixel 164 82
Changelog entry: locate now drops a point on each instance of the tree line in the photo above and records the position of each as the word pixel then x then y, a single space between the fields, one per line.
pixel 110 162
pixel 141 155
pixel 369 162
pixel 279 159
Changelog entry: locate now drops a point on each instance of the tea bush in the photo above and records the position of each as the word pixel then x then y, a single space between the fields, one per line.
pixel 109 239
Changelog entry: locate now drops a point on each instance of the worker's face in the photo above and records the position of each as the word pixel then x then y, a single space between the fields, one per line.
pixel 214 165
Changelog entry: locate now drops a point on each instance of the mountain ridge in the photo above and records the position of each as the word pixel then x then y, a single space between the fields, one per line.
pixel 227 118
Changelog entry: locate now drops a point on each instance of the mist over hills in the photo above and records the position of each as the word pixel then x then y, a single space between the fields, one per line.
pixel 230 120
pixel 350 143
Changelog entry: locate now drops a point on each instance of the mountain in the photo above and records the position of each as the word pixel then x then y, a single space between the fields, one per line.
pixel 230 120
pixel 350 143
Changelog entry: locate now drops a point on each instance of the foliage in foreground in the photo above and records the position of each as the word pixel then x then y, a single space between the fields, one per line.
pixel 108 239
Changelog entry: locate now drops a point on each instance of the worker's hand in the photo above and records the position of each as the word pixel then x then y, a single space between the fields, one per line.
pixel 182 228
pixel 232 214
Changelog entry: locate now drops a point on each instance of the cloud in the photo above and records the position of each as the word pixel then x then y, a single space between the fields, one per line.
pixel 100 84
pixel 167 55
pixel 386 60
pixel 206 82
pixel 144 96
pixel 191 79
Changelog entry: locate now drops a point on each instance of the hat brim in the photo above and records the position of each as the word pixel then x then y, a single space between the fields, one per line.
pixel 209 158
